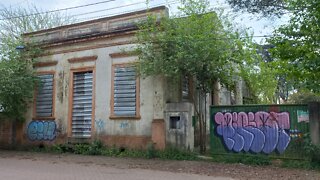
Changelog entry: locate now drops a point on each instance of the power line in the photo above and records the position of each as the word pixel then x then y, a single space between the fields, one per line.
pixel 112 14
pixel 57 10
pixel 81 6
pixel 101 2
pixel 127 5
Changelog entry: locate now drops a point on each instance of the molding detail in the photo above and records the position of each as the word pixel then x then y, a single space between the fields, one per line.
pixel 82 59
pixel 123 54
pixel 45 64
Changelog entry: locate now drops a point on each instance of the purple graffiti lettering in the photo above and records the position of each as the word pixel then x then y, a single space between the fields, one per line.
pixel 41 130
pixel 284 140
pixel 271 140
pixel 258 140
pixel 239 142
pixel 256 132
pixel 248 138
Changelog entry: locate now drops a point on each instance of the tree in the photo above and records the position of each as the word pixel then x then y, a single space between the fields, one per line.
pixel 263 7
pixel 16 21
pixel 296 51
pixel 198 44
pixel 297 46
pixel 17 79
pixel 303 97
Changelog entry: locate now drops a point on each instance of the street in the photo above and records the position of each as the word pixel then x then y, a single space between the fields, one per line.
pixel 20 168
pixel 23 165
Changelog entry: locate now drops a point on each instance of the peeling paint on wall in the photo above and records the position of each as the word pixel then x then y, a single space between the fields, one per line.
pixel 60 87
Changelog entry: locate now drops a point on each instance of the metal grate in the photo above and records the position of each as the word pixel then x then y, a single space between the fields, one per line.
pixel 44 97
pixel 124 91
pixel 82 104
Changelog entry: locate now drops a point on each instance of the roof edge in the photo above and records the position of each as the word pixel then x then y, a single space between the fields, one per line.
pixel 96 20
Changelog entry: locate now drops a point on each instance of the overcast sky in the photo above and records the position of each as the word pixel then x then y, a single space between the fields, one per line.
pixel 258 27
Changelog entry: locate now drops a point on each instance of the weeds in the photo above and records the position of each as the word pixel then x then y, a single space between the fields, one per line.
pixel 261 160
pixel 97 148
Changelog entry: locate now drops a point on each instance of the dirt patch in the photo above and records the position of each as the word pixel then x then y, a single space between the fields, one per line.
pixel 237 171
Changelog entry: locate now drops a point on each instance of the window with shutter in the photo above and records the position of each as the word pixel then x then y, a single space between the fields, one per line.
pixel 185 88
pixel 82 104
pixel 44 96
pixel 125 92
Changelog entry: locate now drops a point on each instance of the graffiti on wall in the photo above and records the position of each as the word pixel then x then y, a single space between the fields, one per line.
pixel 255 132
pixel 124 125
pixel 41 130
pixel 100 125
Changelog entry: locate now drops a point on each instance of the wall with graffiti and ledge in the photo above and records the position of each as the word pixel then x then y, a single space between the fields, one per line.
pixel 41 130
pixel 258 129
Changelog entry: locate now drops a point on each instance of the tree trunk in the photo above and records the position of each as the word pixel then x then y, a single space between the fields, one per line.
pixel 216 91
pixel 202 121
pixel 14 133
pixel 238 92
pixel 201 134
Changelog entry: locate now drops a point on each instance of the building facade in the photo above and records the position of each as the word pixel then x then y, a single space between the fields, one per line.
pixel 89 90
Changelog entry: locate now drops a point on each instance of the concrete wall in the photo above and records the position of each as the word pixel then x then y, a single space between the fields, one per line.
pixel 104 126
pixel 182 136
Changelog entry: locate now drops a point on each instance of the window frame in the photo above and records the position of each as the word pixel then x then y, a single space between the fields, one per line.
pixel 52 117
pixel 189 80
pixel 112 115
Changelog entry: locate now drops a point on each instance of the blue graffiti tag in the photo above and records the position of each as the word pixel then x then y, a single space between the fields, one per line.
pixel 41 130
pixel 124 125
pixel 100 124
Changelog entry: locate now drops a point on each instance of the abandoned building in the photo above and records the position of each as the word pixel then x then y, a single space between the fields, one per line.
pixel 89 90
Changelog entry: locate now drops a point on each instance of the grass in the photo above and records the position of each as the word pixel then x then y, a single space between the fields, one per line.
pixel 97 148
pixel 261 160
pixel 171 153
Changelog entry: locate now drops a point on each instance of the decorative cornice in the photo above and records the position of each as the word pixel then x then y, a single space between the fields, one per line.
pixel 82 59
pixel 123 54
pixel 45 64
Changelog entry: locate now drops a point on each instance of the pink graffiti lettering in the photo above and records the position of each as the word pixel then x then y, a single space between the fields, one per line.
pixel 258 119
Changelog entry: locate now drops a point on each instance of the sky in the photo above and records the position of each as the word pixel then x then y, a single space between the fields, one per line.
pixel 259 27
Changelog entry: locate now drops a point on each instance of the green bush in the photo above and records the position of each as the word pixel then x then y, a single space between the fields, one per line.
pixel 132 153
pixel 95 148
pixel 112 151
pixel 312 151
pixel 59 148
pixel 243 159
pixel 290 163
pixel 81 148
pixel 151 152
pixel 176 154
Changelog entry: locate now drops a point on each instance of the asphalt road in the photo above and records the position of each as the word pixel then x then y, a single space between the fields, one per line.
pixel 22 168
